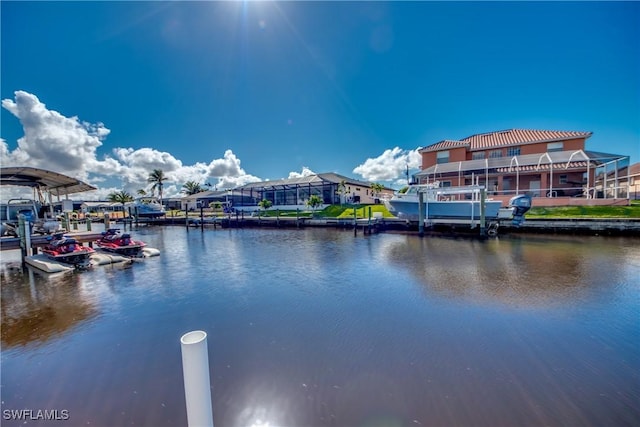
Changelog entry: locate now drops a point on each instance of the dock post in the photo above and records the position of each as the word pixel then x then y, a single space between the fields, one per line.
pixel 87 221
pixel 201 218
pixel 355 221
pixel 65 221
pixel 483 195
pixel 298 217
pixel 107 223
pixel 136 212
pixel 197 385
pixel 24 231
pixel 278 217
pixel 369 222
pixel 421 213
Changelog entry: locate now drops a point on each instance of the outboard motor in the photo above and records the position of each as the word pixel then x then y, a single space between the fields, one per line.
pixel 521 204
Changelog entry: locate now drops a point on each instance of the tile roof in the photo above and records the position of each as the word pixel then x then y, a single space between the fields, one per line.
pixel 503 138
pixel 519 136
pixel 447 143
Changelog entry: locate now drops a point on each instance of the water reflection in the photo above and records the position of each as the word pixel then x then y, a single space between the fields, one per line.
pixel 535 272
pixel 34 313
pixel 315 327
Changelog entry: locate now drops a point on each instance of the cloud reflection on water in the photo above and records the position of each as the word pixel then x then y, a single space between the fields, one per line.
pixel 549 272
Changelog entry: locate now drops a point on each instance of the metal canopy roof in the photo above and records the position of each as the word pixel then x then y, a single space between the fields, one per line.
pixel 567 159
pixel 53 182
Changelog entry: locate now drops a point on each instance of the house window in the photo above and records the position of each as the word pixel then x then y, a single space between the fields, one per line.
pixel 445 184
pixel 479 155
pixel 495 154
pixel 513 151
pixel 442 157
pixel 554 146
pixel 563 179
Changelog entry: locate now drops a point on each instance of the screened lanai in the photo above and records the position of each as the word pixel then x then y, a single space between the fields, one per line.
pixel 552 174
pixel 288 192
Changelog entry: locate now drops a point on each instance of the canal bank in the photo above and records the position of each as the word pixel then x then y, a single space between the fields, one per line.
pixel 582 226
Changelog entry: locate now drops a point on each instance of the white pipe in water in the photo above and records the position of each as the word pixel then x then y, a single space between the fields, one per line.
pixel 197 388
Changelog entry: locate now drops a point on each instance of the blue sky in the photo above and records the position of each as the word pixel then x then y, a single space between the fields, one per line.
pixel 230 92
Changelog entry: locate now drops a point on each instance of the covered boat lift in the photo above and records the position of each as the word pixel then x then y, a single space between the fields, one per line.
pixel 45 183
pixel 605 175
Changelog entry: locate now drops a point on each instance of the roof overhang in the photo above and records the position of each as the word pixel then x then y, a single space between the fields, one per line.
pixel 52 182
pixel 560 159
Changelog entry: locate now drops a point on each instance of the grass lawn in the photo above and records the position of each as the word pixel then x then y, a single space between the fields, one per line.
pixel 332 211
pixel 564 212
pixel 362 211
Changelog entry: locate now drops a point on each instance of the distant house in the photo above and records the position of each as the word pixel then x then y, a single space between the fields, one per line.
pixel 222 197
pixel 171 203
pixel 100 207
pixel 634 181
pixel 291 193
pixel 542 163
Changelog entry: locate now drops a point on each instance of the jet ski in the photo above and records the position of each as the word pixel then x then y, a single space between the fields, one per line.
pixel 67 250
pixel 121 244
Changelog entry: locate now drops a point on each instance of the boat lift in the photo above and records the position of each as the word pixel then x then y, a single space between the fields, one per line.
pixel 45 184
pixel 429 192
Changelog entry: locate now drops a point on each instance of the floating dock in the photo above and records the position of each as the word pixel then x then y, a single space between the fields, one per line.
pixel 43 263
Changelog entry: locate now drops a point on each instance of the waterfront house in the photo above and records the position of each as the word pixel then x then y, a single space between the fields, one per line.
pixel 634 181
pixel 292 193
pixel 552 166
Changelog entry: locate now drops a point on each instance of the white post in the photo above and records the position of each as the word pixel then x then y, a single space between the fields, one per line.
pixel 197 388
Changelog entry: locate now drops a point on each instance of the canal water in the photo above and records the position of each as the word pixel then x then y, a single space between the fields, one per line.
pixel 316 327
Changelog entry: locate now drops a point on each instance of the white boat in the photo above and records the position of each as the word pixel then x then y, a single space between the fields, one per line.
pixel 31 210
pixel 454 205
pixel 146 207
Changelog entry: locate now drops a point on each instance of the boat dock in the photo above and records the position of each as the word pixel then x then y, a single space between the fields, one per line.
pixel 39 240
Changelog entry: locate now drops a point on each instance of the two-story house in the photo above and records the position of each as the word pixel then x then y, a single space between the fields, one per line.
pixel 543 163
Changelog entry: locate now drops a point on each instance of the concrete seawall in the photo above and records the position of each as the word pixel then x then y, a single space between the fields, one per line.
pixel 617 227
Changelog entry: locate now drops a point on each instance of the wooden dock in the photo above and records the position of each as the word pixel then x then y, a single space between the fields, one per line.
pixel 38 240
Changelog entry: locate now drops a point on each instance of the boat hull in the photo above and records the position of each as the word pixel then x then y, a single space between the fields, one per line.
pixel 129 251
pixel 445 210
pixel 79 259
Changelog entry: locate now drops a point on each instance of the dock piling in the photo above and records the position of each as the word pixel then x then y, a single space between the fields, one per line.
pixel 483 225
pixel 197 385
pixel 421 214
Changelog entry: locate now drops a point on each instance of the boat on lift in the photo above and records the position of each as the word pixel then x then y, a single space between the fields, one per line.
pixel 450 205
pixel 31 209
pixel 67 250
pixel 146 207
pixel 121 244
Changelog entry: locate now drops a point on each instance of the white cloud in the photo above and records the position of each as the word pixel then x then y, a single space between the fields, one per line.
pixel 229 172
pixel 305 172
pixel 51 140
pixel 69 146
pixel 391 165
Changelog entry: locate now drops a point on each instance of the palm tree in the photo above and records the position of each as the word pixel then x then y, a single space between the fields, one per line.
pixel 156 177
pixel 120 197
pixel 191 187
pixel 342 190
pixel 376 189
pixel 142 192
